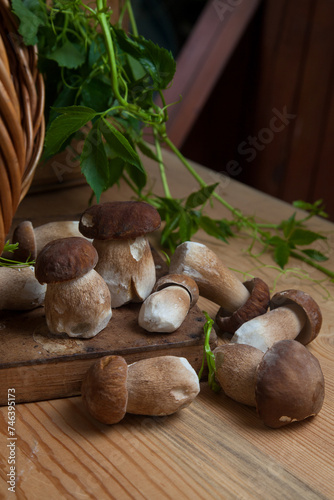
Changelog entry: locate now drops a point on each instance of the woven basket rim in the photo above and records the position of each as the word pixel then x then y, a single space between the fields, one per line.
pixel 22 127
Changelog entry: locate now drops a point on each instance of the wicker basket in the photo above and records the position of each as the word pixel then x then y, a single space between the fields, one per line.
pixel 21 118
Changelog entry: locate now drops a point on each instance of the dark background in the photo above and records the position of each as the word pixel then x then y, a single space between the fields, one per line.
pixel 284 60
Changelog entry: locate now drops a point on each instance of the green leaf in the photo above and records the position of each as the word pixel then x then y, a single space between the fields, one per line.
pixel 146 150
pixel 201 196
pixel 120 145
pixel 275 240
pixel 64 99
pixel 303 205
pixel 157 61
pixel 281 255
pixel 69 55
pixel 185 224
pixel 213 228
pixel 70 121
pixel 288 225
pixel 97 94
pixel 30 14
pixel 115 170
pixel 316 208
pixel 138 175
pixel 170 226
pixel 305 237
pixel 315 255
pixel 94 162
pixel 96 51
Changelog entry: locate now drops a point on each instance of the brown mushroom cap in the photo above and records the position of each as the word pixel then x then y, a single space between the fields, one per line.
pixel 65 259
pixel 311 309
pixel 104 391
pixel 290 384
pixel 119 220
pixel 180 280
pixel 256 305
pixel 24 235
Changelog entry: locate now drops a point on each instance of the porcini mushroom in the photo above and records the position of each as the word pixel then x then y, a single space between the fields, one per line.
pixel 31 240
pixel 155 387
pixel 286 384
pixel 165 309
pixel 119 232
pixel 293 315
pixel 256 305
pixel 19 289
pixel 289 384
pixel 215 281
pixel 77 300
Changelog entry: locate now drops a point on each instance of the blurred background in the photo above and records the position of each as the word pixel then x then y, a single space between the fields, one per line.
pixel 257 85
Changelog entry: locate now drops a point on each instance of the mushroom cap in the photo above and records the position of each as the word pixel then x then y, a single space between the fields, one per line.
pixel 119 220
pixel 256 305
pixel 65 259
pixel 24 235
pixel 104 389
pixel 179 280
pixel 289 384
pixel 311 309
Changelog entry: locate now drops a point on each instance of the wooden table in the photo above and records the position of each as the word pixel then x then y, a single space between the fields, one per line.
pixel 216 448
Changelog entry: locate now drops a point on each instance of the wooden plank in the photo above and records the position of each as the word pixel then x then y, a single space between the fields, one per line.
pixel 322 187
pixel 202 60
pixel 282 57
pixel 315 91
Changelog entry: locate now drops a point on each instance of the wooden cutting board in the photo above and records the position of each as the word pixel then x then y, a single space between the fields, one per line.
pixel 40 366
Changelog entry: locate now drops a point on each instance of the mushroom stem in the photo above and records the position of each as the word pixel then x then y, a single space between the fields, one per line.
pixel 165 310
pixel 236 366
pixel 215 281
pixel 161 386
pixel 167 307
pixel 128 268
pixel 19 289
pixel 284 323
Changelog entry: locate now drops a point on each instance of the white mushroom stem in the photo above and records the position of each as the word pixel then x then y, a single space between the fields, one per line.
pixel 54 230
pixel 283 323
pixel 161 386
pixel 79 307
pixel 19 289
pixel 215 281
pixel 128 268
pixel 165 310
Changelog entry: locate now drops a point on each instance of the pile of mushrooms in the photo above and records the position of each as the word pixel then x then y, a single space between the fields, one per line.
pixel 266 363
pixel 85 269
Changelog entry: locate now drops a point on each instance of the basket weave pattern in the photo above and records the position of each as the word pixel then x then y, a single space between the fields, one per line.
pixel 21 118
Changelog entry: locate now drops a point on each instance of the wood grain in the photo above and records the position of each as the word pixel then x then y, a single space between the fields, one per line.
pixel 215 448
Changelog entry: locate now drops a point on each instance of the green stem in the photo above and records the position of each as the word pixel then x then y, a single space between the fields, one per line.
pixel 208 355
pixel 161 165
pixel 313 263
pixel 132 19
pixel 101 6
pixel 199 179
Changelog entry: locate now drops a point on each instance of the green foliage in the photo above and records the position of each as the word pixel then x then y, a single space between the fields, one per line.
pixel 5 262
pixel 208 355
pixel 105 79
pixel 293 236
